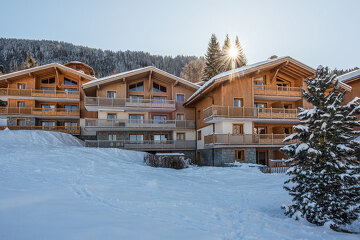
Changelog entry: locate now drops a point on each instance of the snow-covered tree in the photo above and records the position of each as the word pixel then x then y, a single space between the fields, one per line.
pixel 30 62
pixel 212 59
pixel 324 173
pixel 193 70
pixel 226 58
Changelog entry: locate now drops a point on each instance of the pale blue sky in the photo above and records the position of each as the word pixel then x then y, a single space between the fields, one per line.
pixel 314 32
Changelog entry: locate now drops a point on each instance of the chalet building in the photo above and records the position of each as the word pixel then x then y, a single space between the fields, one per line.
pixel 351 79
pixel 244 114
pixel 141 110
pixel 48 97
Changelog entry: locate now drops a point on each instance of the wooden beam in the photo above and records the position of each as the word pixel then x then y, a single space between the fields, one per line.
pixel 300 72
pixel 150 80
pixel 293 74
pixel 57 79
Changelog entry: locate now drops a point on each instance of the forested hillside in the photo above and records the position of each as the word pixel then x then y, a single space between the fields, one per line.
pixel 13 53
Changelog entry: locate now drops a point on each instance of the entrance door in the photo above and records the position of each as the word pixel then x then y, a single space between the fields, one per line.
pixel 262 157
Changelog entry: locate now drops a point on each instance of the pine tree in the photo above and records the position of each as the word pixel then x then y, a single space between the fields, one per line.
pixel 30 62
pixel 240 59
pixel 226 59
pixel 324 173
pixel 212 59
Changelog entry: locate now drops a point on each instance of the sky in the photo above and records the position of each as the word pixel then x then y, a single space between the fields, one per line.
pixel 314 32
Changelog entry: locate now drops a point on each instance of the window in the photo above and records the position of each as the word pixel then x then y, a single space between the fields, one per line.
pixel 111 116
pixel 48 90
pixel 159 118
pixel 70 124
pixel 238 129
pixel 111 94
pixel 136 87
pixel 48 108
pixel 282 83
pixel 136 137
pixel 48 81
pixel 287 106
pixel 70 90
pixel 238 102
pixel 287 130
pixel 71 108
pixel 21 104
pixel 21 86
pixel 259 81
pixel 260 130
pixel 136 99
pixel 180 136
pixel 199 135
pixel 158 88
pixel 20 122
pixel 112 137
pixel 160 138
pixel 48 124
pixel 260 105
pixel 135 118
pixel 239 155
pixel 180 116
pixel 180 97
pixel 69 82
pixel 159 99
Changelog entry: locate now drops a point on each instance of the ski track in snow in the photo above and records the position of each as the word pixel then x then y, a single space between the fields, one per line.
pixel 58 191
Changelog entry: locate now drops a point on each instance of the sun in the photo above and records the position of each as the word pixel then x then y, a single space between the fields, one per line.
pixel 233 52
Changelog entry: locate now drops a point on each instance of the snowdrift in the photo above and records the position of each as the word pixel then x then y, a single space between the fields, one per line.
pixel 32 137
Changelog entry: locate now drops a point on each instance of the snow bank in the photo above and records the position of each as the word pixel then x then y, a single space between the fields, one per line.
pixel 32 137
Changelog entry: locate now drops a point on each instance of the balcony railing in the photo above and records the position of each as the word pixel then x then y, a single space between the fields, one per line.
pixel 249 112
pixel 146 123
pixel 65 129
pixel 143 145
pixel 268 90
pixel 39 93
pixel 39 111
pixel 246 139
pixel 128 103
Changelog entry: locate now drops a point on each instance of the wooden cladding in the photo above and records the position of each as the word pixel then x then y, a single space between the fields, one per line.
pixel 48 93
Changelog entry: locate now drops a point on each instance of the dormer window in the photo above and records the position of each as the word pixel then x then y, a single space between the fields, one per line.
pixel 158 88
pixel 69 82
pixel 136 87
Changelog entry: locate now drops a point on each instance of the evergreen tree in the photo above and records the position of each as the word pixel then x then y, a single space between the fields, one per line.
pixel 30 62
pixel 226 58
pixel 324 173
pixel 212 59
pixel 240 59
pixel 193 70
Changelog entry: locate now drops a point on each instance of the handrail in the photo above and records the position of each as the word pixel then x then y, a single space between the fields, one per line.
pixel 38 111
pixel 145 144
pixel 145 123
pixel 128 102
pixel 246 139
pixel 250 112
pixel 66 129
pixel 277 90
pixel 39 93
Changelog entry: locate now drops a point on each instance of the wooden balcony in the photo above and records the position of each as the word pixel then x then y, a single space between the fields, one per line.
pixel 277 92
pixel 249 112
pixel 65 129
pixel 97 103
pixel 39 111
pixel 245 139
pixel 143 145
pixel 143 124
pixel 39 93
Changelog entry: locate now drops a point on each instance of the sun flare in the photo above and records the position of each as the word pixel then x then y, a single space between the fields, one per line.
pixel 233 52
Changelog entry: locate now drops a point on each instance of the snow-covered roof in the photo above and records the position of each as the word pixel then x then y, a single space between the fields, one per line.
pixel 134 72
pixel 43 67
pixel 349 76
pixel 241 72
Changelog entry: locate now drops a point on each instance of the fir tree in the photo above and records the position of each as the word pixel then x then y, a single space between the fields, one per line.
pixel 30 62
pixel 212 59
pixel 240 59
pixel 226 59
pixel 324 173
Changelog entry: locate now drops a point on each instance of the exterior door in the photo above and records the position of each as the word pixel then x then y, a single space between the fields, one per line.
pixel 262 157
pixel 238 129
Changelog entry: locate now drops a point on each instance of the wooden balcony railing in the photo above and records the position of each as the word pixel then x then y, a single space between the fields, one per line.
pixel 246 139
pixel 276 166
pixel 143 145
pixel 39 93
pixel 128 103
pixel 249 112
pixel 146 123
pixel 65 129
pixel 268 90
pixel 39 111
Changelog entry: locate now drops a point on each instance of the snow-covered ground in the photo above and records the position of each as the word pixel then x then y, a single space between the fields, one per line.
pixel 53 188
